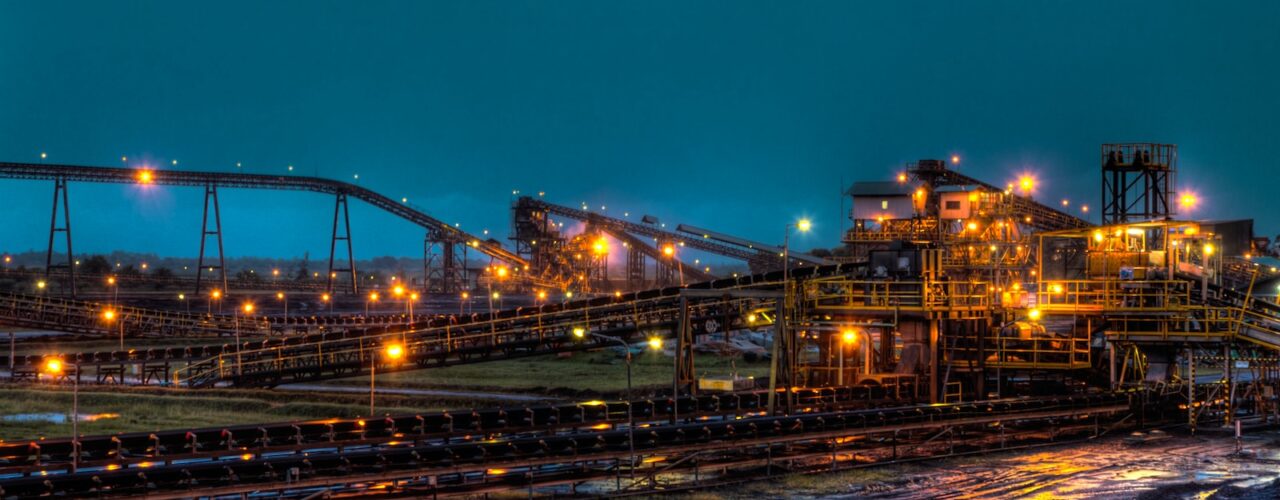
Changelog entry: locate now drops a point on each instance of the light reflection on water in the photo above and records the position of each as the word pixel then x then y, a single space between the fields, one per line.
pixel 57 418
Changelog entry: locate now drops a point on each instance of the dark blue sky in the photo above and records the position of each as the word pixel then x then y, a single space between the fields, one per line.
pixel 739 116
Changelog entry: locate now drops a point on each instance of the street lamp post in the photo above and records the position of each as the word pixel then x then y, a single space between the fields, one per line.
pixel 248 309
pixel 115 289
pixel 214 295
pixel 40 294
pixel 398 292
pixel 394 352
pixel 780 333
pixel 282 298
pixel 802 225
pixel 53 368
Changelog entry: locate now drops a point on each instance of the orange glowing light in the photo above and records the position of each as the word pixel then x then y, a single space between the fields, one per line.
pixel 108 315
pixel 1027 184
pixel 145 177
pixel 849 337
pixel 668 250
pixel 248 307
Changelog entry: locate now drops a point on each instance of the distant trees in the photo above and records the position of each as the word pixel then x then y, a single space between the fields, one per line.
pixel 96 264
pixel 303 273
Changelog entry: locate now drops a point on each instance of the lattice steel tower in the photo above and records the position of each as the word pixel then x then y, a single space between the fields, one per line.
pixel 1137 182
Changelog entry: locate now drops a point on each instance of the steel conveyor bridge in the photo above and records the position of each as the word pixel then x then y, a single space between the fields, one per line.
pixel 441 340
pixel 760 256
pixel 1033 214
pixel 61 174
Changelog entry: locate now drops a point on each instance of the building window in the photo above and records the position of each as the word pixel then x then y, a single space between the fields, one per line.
pixel 953 205
pixel 884 204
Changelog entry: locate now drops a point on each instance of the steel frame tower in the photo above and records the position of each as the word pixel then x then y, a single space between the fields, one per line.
pixel 1137 182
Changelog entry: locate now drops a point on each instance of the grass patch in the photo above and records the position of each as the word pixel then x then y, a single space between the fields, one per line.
pixel 587 372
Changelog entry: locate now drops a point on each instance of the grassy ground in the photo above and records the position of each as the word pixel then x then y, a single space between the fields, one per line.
pixel 146 409
pixel 143 409
pixel 597 372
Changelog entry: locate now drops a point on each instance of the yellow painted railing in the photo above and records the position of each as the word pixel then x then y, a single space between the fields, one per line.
pixel 886 295
pixel 1112 295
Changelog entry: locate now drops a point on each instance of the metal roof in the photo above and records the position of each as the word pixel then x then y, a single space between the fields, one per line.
pixel 879 188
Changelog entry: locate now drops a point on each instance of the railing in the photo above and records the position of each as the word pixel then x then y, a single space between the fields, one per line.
pixel 502 337
pixel 77 316
pixel 896 230
pixel 1112 295
pixel 1040 351
pixel 883 294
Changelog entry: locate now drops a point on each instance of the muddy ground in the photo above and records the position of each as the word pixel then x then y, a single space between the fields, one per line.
pixel 1182 466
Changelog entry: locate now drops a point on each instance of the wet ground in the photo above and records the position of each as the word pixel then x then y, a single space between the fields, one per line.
pixel 1183 466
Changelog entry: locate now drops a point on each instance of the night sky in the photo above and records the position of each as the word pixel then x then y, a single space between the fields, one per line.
pixel 737 116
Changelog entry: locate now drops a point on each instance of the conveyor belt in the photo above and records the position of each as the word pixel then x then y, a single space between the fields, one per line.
pixel 37 456
pixel 441 340
pixel 406 460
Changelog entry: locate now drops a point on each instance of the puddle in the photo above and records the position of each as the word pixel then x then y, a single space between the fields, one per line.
pixel 1133 475
pixel 1205 475
pixel 57 418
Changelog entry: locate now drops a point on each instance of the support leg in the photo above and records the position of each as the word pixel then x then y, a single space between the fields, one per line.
pixel 340 213
pixel 60 193
pixel 210 197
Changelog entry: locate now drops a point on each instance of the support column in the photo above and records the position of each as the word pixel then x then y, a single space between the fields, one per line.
pixel 211 196
pixel 933 361
pixel 340 212
pixel 60 192
pixel 1191 390
pixel 684 351
pixel 635 268
pixel 782 366
pixel 449 275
